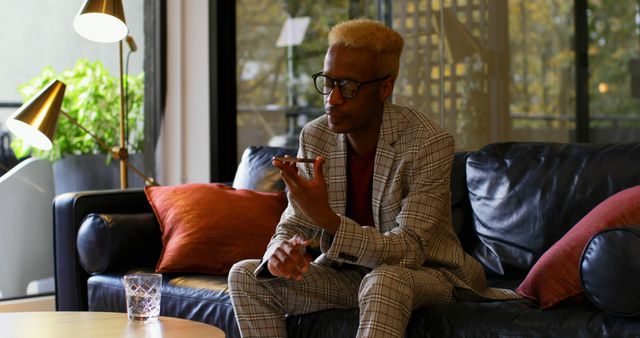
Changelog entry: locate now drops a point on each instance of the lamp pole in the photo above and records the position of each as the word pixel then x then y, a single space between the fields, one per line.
pixel 122 153
pixel 103 21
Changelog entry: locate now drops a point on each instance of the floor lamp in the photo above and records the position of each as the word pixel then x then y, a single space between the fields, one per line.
pixel 35 123
pixel 103 21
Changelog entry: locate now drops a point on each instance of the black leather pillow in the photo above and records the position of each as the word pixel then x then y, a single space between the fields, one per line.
pixel 525 195
pixel 255 171
pixel 104 242
pixel 610 270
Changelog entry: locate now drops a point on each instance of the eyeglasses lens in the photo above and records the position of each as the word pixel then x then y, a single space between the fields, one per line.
pixel 348 88
pixel 325 84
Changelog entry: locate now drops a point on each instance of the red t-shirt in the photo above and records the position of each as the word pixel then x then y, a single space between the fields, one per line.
pixel 359 181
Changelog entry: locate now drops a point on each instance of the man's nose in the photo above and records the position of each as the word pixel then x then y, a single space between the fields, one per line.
pixel 335 97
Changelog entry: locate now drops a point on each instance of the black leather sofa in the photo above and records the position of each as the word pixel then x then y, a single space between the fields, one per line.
pixel 547 187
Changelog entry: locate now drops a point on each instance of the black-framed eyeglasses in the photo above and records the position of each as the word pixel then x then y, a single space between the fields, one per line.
pixel 348 88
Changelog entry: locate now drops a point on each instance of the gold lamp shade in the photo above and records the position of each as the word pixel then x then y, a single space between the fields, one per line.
pixel 35 121
pixel 458 40
pixel 101 21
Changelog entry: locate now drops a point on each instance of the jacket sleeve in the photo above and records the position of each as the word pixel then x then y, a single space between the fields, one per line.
pixel 292 222
pixel 419 190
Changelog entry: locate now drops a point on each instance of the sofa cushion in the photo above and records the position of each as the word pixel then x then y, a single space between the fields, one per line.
pixel 208 227
pixel 555 276
pixel 526 196
pixel 610 270
pixel 256 172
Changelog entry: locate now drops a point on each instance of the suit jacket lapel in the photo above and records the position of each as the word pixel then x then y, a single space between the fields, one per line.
pixel 384 160
pixel 337 175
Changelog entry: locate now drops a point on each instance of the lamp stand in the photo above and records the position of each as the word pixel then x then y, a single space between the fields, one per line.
pixel 122 152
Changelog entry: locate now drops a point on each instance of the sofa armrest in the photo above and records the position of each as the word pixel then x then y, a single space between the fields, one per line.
pixel 69 210
pixel 610 271
pixel 118 242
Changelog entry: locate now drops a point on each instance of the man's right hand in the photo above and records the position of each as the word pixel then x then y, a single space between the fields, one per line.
pixel 289 259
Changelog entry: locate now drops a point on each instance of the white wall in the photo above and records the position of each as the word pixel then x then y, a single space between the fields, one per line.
pixel 182 154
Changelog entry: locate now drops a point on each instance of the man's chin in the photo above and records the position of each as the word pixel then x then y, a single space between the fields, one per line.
pixel 337 124
pixel 338 128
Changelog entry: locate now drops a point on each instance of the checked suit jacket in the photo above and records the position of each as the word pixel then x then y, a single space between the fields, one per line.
pixel 411 202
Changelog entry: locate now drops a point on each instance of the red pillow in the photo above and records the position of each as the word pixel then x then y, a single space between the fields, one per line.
pixel 208 227
pixel 555 277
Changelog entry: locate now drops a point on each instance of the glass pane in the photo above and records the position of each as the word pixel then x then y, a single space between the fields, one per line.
pixel 542 71
pixel 46 38
pixel 488 71
pixel 38 34
pixel 493 79
pixel 275 90
pixel 614 63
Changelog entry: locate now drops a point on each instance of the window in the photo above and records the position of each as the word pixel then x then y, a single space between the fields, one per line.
pixel 487 71
pixel 275 89
pixel 37 34
pixel 614 61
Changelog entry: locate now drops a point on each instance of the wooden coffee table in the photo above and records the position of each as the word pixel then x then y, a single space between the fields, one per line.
pixel 98 324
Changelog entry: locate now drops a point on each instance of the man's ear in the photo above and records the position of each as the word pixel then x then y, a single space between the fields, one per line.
pixel 386 88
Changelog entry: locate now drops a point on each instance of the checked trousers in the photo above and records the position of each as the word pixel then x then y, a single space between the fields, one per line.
pixel 385 297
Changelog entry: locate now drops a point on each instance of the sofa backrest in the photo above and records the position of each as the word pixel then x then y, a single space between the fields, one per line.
pixel 525 196
pixel 510 201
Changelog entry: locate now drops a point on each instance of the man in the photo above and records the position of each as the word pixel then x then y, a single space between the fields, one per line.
pixel 376 200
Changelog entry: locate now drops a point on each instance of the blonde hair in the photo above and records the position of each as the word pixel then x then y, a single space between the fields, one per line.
pixel 374 36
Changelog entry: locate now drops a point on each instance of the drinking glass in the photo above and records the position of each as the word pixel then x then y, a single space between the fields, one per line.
pixel 143 296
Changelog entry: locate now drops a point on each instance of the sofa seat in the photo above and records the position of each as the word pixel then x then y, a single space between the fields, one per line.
pixel 205 299
pixel 517 318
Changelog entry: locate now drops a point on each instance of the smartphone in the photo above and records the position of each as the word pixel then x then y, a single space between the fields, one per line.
pixel 294 159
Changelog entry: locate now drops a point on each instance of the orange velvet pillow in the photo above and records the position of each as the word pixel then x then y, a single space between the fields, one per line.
pixel 209 227
pixel 555 277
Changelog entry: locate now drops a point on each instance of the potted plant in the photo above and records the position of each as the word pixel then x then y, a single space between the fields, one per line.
pixel 92 98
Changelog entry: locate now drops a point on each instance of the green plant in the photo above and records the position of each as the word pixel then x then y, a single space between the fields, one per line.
pixel 92 97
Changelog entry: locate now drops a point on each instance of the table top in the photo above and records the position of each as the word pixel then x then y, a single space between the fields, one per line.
pixel 97 325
